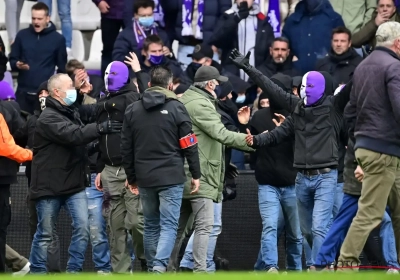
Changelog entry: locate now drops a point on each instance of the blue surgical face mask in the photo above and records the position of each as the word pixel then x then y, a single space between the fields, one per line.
pixel 146 21
pixel 156 59
pixel 240 98
pixel 70 97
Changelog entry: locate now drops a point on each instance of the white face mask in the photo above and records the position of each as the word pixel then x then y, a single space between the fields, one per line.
pixel 303 89
pixel 240 98
pixel 42 101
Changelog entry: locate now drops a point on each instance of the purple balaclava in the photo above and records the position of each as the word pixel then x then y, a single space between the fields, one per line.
pixel 312 87
pixel 6 91
pixel 116 76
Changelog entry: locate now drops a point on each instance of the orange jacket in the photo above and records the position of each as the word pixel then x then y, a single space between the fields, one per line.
pixel 8 148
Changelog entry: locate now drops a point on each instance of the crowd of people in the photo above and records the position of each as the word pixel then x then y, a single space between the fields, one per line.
pixel 143 156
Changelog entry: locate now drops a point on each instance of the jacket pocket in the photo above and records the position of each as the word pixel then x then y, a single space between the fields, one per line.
pixel 214 173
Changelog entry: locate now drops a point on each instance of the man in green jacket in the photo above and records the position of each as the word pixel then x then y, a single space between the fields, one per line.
pixel 200 102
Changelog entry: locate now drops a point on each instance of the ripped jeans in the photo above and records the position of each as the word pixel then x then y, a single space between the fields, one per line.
pixel 97 229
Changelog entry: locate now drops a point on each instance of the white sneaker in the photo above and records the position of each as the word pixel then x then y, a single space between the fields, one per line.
pixel 392 271
pixel 101 272
pixel 273 270
pixel 69 54
pixel 25 270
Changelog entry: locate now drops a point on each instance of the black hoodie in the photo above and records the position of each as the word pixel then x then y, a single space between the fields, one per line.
pixel 274 165
pixel 150 146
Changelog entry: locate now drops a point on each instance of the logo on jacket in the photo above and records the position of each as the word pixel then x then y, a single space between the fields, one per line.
pixel 191 139
pixel 165 112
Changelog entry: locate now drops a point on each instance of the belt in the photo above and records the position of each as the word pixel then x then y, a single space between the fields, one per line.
pixel 313 172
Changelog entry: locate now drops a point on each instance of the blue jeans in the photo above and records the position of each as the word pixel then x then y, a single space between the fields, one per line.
pixel 187 260
pixel 64 12
pixel 47 212
pixel 161 211
pixel 315 198
pixel 340 226
pixel 97 229
pixel 271 200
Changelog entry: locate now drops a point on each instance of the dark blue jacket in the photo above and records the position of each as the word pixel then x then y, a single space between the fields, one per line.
pixel 128 12
pixel 42 52
pixel 310 33
pixel 126 42
pixel 213 9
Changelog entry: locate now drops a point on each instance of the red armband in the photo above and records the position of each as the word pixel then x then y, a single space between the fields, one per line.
pixel 188 141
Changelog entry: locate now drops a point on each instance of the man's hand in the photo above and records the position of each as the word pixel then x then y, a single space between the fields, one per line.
pixel 359 173
pixel 133 61
pixel 97 182
pixel 244 115
pixel 249 138
pixel 195 185
pixel 22 66
pixel 109 126
pixel 243 12
pixel 231 172
pixel 166 51
pixel 81 83
pixel 382 18
pixel 282 118
pixel 241 61
pixel 103 7
pixel 133 188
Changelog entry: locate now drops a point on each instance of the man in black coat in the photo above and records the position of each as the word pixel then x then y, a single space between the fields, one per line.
pixel 280 60
pixel 342 59
pixel 156 139
pixel 59 175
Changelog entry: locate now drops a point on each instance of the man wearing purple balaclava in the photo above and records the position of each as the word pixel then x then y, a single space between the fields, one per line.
pixel 122 210
pixel 315 124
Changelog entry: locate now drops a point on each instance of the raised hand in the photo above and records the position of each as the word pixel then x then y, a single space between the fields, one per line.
pixel 244 115
pixel 239 59
pixel 282 118
pixel 133 61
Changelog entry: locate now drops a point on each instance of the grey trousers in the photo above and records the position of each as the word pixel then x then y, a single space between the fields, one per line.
pixel 12 14
pixel 123 213
pixel 14 261
pixel 203 215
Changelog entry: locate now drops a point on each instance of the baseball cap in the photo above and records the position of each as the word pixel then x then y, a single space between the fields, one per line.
pixel 387 31
pixel 201 51
pixel 207 73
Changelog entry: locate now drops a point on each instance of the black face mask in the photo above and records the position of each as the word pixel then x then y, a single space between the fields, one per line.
pixel 228 106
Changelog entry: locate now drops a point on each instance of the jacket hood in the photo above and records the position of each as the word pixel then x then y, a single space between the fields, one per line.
pixel 329 83
pixel 285 82
pixel 116 76
pixel 155 96
pixel 50 28
pixel 6 91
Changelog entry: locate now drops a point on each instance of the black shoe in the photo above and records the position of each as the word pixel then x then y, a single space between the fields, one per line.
pixel 185 269
pixel 143 264
pixel 221 264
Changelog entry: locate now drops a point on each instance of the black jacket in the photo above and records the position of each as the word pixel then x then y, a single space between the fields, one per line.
pixel 98 86
pixel 59 165
pixel 112 107
pixel 8 167
pixel 274 165
pixel 30 127
pixel 341 67
pixel 374 105
pixel 270 68
pixel 150 149
pixel 225 37
pixel 316 129
pixel 171 64
pixel 3 59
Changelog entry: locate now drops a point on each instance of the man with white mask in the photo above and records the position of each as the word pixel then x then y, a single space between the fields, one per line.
pixel 61 180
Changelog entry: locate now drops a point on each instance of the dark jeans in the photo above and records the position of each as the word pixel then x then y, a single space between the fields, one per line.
pixel 26 101
pixel 5 218
pixel 53 251
pixel 109 33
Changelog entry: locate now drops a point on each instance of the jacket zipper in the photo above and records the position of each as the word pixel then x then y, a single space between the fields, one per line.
pixel 108 154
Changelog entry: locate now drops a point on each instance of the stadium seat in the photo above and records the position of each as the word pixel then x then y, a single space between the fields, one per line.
pixel 2 15
pixel 26 17
pixel 85 15
pixel 96 46
pixel 78 46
